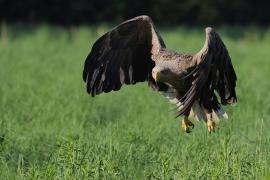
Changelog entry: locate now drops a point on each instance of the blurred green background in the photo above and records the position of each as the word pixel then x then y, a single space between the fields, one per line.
pixel 50 128
pixel 162 11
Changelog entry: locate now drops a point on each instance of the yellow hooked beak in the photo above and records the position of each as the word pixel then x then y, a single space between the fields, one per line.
pixel 155 73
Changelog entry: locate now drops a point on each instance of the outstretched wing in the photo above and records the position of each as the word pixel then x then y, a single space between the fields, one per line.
pixel 122 56
pixel 213 71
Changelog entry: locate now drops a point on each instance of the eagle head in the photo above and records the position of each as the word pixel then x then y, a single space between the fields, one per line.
pixel 162 74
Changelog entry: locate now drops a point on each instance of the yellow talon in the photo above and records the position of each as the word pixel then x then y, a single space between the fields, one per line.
pixel 187 125
pixel 212 126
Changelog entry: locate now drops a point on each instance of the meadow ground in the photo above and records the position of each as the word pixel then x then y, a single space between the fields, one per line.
pixel 51 129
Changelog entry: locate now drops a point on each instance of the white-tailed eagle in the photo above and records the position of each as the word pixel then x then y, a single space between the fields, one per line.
pixel 134 52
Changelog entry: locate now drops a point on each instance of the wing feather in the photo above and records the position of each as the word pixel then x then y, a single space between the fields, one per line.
pixel 122 56
pixel 214 72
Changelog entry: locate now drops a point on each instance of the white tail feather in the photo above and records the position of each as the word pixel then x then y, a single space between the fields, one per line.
pixel 199 113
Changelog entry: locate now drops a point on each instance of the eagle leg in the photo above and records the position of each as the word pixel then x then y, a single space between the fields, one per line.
pixel 210 126
pixel 212 122
pixel 187 125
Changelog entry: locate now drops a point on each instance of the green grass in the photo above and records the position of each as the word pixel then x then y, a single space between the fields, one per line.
pixel 51 129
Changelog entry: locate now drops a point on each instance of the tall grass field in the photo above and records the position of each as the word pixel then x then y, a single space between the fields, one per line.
pixel 50 128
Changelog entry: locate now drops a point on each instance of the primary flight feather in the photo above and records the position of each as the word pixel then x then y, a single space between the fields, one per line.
pixel 134 52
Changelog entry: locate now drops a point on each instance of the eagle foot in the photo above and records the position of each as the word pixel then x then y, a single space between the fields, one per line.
pixel 187 125
pixel 212 126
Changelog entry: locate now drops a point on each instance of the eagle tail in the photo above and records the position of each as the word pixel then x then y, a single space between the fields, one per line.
pixel 199 112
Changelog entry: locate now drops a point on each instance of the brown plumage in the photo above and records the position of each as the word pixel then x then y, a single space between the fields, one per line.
pixel 134 52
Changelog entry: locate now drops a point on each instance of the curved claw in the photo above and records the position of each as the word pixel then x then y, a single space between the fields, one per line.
pixel 211 126
pixel 187 125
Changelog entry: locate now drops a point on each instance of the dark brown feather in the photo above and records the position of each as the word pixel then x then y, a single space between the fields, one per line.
pixel 214 73
pixel 122 56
